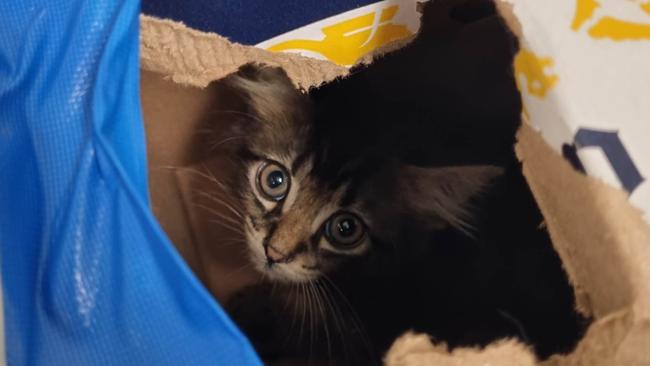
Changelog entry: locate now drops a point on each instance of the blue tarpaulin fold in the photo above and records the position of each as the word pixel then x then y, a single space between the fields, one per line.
pixel 88 276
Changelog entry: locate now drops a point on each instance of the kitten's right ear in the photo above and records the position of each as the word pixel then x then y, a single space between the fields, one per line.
pixel 442 194
pixel 403 200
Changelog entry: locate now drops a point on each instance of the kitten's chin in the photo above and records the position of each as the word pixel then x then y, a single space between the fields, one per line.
pixel 286 274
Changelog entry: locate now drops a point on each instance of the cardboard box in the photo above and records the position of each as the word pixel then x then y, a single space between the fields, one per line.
pixel 602 239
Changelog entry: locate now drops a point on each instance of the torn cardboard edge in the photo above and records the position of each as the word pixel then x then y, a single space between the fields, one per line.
pixel 417 350
pixel 601 238
pixel 191 57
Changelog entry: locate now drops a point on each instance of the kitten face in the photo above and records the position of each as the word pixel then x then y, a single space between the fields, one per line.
pixel 297 227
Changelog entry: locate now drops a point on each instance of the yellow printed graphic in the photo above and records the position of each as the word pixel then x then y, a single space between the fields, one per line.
pixel 584 11
pixel 646 7
pixel 603 25
pixel 532 68
pixel 347 41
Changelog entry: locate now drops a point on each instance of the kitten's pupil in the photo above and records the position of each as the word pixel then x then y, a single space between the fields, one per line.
pixel 275 179
pixel 346 227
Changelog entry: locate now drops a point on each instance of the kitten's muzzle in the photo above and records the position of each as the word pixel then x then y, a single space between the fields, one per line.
pixel 273 255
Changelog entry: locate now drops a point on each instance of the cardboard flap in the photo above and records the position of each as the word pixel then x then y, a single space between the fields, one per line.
pixel 184 196
pixel 603 242
pixel 417 350
pixel 195 58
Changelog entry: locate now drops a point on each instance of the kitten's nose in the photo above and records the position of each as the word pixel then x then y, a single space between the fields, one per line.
pixel 274 256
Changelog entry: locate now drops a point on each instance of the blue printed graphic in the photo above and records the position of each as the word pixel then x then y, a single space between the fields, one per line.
pixel 613 149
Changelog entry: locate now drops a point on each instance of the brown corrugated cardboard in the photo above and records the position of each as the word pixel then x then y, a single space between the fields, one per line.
pixel 603 243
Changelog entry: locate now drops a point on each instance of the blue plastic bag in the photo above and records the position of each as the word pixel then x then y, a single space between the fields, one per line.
pixel 88 276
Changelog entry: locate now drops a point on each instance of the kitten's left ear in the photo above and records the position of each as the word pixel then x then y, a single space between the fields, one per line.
pixel 267 91
pixel 442 194
pixel 260 108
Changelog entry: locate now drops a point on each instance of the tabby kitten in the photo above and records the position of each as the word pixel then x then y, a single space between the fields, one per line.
pixel 392 200
pixel 313 213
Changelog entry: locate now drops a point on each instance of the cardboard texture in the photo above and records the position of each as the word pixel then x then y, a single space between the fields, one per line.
pixel 602 239
pixel 195 58
pixel 417 350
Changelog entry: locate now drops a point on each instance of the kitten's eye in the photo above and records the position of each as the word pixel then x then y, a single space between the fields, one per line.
pixel 273 181
pixel 344 230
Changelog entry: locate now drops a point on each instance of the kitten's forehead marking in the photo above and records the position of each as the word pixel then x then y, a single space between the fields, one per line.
pixel 298 177
pixel 332 204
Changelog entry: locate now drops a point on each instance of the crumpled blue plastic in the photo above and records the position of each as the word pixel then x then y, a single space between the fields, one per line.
pixel 88 276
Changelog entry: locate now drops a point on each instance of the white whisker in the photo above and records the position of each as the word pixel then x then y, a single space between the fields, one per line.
pixel 228 226
pixel 249 115
pixel 323 312
pixel 311 324
pixel 222 202
pixel 303 302
pixel 239 269
pixel 338 318
pixel 356 321
pixel 220 215
pixel 216 145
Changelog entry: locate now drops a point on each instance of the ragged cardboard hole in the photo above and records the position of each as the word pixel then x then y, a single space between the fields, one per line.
pixel 601 239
